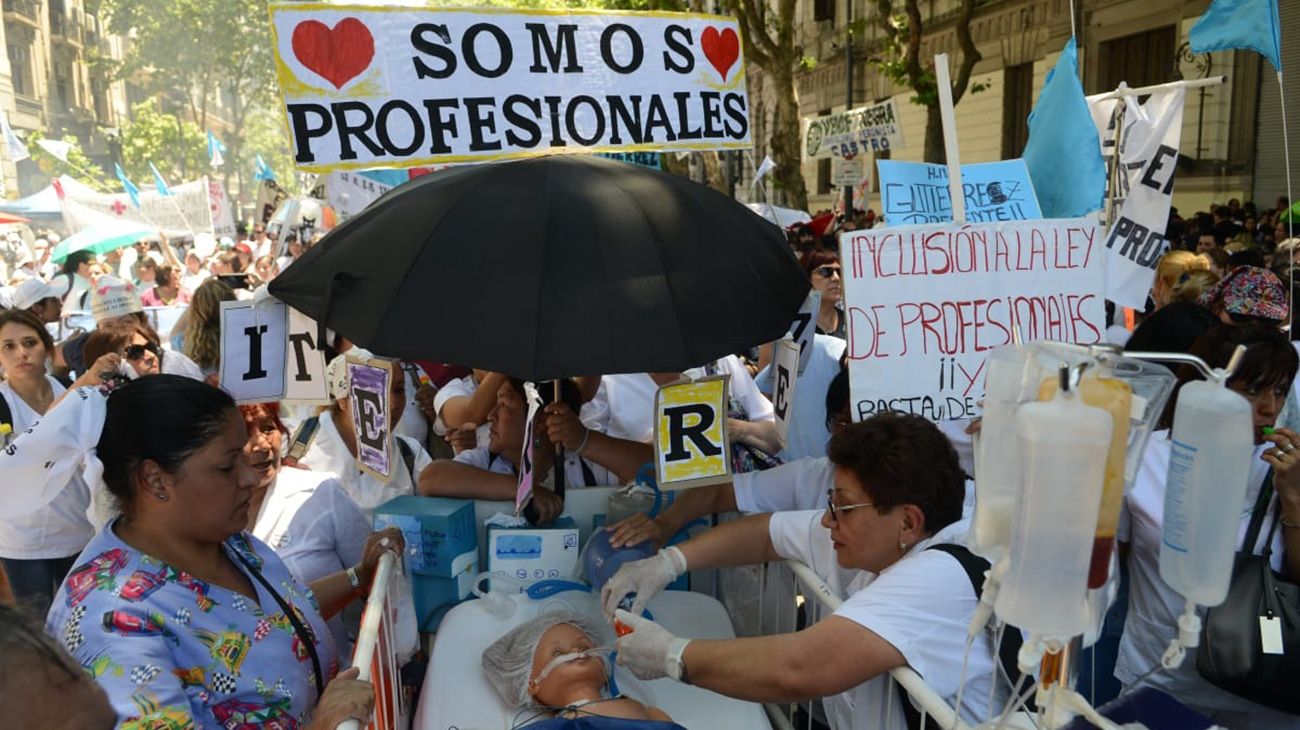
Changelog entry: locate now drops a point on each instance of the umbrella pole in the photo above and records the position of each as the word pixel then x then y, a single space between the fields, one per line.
pixel 559 452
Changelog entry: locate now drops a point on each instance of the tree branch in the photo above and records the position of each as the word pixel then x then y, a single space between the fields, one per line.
pixel 915 27
pixel 970 55
pixel 758 44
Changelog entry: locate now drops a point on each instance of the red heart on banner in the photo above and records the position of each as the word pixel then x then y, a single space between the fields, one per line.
pixel 338 54
pixel 722 49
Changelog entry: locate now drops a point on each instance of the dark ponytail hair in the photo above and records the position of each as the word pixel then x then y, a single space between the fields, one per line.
pixel 161 418
pixel 74 262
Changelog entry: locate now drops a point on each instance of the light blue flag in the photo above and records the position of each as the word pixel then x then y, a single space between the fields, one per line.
pixel 263 171
pixel 158 182
pixel 215 148
pixel 127 185
pixel 1063 153
pixel 1229 24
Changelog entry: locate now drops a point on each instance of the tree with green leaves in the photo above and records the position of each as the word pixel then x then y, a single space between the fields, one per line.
pixel 902 63
pixel 172 143
pixel 76 165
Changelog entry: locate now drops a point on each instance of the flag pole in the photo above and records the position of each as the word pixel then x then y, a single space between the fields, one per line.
pixel 1286 157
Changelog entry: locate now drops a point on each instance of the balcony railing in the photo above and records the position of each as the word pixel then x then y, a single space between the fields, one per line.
pixel 29 9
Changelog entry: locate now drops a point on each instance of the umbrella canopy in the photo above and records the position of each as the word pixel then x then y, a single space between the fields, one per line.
pixel 552 267
pixel 100 239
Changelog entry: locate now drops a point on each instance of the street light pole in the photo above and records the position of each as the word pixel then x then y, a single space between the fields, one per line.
pixel 848 89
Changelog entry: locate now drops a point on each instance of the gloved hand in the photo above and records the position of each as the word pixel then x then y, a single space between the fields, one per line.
pixel 650 651
pixel 646 578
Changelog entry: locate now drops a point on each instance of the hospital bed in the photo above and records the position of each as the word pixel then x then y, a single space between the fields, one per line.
pixel 457 695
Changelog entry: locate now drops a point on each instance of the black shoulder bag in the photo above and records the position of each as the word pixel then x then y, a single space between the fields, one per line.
pixel 304 635
pixel 1231 655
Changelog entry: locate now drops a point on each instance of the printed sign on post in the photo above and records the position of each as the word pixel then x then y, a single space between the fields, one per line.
pixel 926 302
pixel 524 490
pixel 402 86
pixel 305 365
pixel 785 377
pixel 805 326
pixel 914 193
pixel 253 350
pixel 847 172
pixel 371 383
pixel 858 131
pixel 691 433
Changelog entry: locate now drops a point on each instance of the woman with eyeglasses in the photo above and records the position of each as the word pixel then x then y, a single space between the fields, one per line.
pixel 898 492
pixel 37 548
pixel 826 276
pixel 139 348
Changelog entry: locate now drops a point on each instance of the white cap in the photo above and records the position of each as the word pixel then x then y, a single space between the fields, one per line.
pixel 112 298
pixel 31 292
pixel 336 373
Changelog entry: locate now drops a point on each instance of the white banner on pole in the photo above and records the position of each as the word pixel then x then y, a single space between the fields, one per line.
pixel 400 86
pixel 1148 158
pixel 924 304
pixel 188 210
pixel 348 193
pixel 223 213
pixel 858 131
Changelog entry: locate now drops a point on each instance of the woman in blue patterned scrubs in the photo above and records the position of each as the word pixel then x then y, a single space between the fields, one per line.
pixel 185 620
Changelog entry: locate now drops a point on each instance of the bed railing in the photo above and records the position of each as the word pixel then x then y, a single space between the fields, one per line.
pixel 376 654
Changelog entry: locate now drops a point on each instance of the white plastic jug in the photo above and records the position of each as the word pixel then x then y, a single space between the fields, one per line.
pixel 1063 446
pixel 1209 466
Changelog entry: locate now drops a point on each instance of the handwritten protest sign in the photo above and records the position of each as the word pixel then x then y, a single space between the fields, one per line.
pixel 913 193
pixel 858 131
pixel 368 85
pixel 253 350
pixel 370 386
pixel 805 326
pixel 691 433
pixel 926 302
pixel 524 489
pixel 305 364
pixel 785 377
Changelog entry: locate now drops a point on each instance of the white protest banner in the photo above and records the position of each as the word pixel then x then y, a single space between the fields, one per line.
pixel 914 193
pixel 1148 158
pixel 524 487
pixel 691 433
pixel 785 378
pixel 223 214
pixel 370 385
pixel 858 131
pixel 188 210
pixel 924 304
pixel 847 172
pixel 805 326
pixel 375 86
pixel 304 374
pixel 253 339
pixel 269 197
pixel 348 193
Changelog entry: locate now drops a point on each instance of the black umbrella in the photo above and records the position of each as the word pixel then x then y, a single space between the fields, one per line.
pixel 552 267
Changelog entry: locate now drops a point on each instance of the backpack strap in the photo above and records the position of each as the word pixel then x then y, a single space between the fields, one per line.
pixel 1008 650
pixel 300 443
pixel 408 458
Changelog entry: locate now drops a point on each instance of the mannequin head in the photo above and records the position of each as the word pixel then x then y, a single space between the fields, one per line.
pixel 571 678
pixel 517 663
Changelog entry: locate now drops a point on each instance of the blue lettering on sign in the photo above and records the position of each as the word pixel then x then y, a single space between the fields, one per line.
pixel 915 193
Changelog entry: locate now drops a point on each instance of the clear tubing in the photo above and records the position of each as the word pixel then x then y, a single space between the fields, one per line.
pixel 599 652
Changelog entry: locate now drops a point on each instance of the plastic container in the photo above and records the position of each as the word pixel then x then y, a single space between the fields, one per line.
pixel 997 471
pixel 1063 445
pixel 1101 389
pixel 600 561
pixel 631 500
pixel 1209 465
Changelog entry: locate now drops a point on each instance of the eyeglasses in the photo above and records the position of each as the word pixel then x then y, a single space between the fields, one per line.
pixel 838 509
pixel 136 352
pixel 827 272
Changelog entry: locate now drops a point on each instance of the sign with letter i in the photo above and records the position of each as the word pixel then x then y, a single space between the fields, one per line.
pixel 691 448
pixel 253 338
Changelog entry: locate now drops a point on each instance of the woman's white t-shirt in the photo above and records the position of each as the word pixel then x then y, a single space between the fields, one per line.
pixel 328 453
pixel 459 388
pixel 1154 607
pixel 922 605
pixel 315 528
pixel 61 528
pixel 623 406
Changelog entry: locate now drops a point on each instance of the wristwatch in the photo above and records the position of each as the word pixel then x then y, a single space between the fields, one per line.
pixel 354 579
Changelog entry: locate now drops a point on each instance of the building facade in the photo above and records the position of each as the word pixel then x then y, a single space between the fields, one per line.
pixel 56 78
pixel 1231 137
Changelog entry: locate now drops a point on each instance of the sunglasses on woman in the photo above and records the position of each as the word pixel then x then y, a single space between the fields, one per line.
pixel 136 352
pixel 827 272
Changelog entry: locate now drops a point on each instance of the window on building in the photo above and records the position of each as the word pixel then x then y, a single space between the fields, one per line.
pixel 824 10
pixel 99 93
pixel 1142 59
pixel 824 167
pixel 1017 101
pixel 20 65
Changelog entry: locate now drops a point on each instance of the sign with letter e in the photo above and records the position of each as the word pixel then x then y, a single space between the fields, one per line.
pixel 784 377
pixel 370 384
pixel 253 350
pixel 691 433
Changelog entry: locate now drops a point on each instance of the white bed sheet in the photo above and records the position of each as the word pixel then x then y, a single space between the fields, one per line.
pixel 456 695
